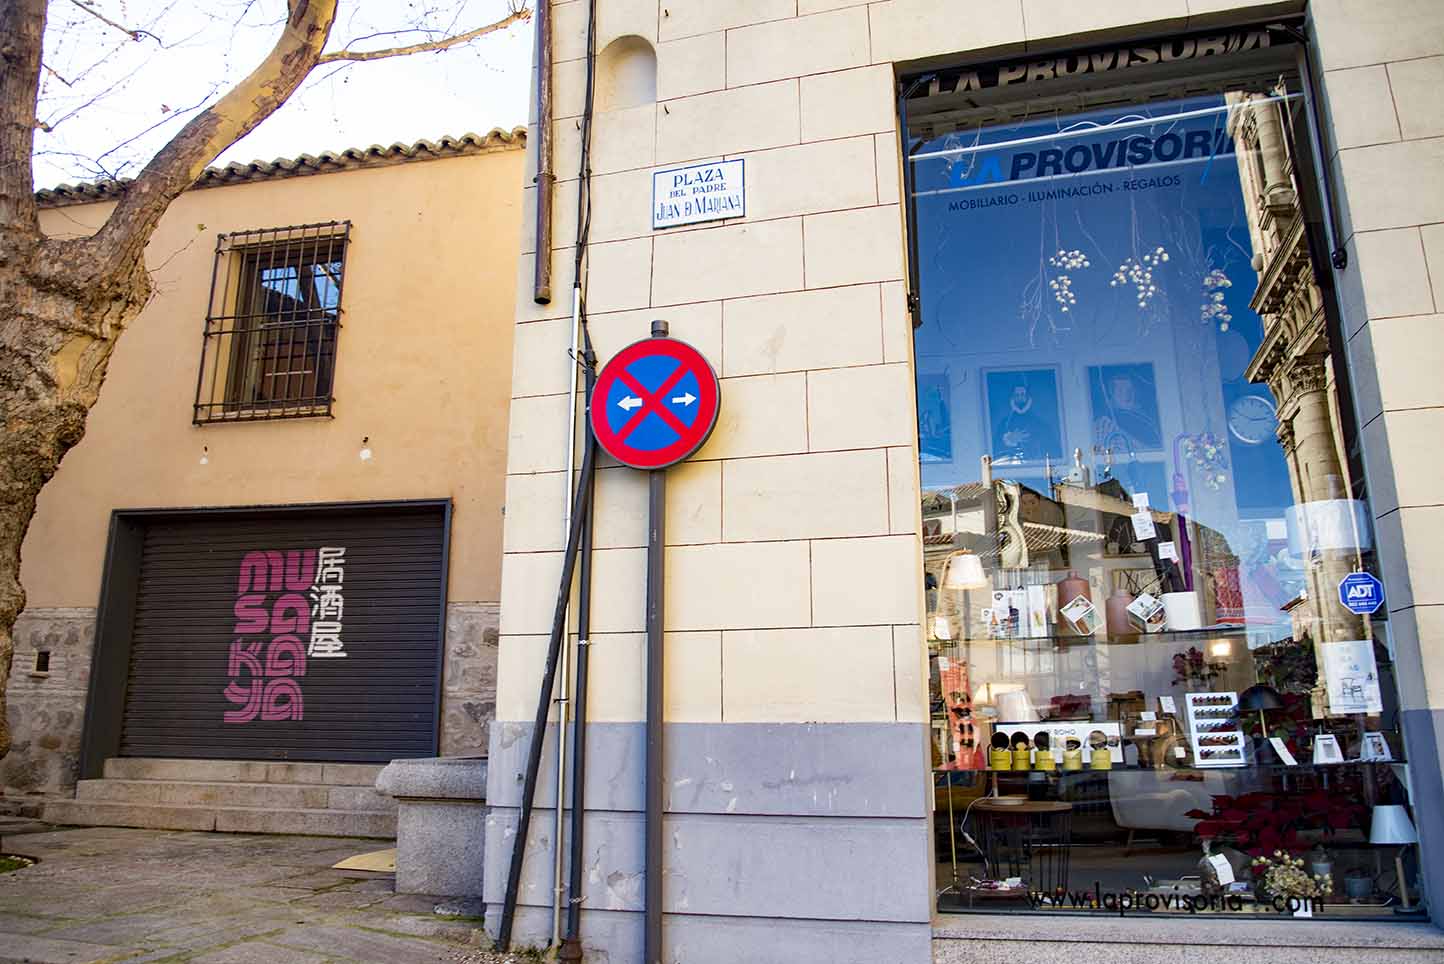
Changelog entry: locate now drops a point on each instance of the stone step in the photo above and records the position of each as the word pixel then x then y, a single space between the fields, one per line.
pixel 242 771
pixel 196 793
pixel 309 822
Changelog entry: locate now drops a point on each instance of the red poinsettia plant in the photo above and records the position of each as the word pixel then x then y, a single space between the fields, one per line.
pixel 1261 823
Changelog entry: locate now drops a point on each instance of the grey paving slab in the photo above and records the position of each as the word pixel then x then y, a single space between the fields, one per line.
pixel 418 925
pixel 24 924
pixel 410 903
pixel 259 952
pixel 49 950
pixel 269 893
pixel 341 900
pixel 361 944
pixel 132 895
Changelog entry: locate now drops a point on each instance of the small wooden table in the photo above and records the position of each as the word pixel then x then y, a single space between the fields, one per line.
pixel 1030 839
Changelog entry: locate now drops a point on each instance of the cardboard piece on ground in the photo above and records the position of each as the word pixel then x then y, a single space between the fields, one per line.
pixel 376 862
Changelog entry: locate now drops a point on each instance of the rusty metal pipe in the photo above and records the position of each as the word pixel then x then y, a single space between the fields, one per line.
pixel 546 178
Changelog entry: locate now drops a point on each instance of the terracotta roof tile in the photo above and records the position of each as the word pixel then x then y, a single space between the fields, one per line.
pixel 352 158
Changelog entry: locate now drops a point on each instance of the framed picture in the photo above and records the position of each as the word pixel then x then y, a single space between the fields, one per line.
pixel 1024 422
pixel 935 419
pixel 1137 580
pixel 1124 403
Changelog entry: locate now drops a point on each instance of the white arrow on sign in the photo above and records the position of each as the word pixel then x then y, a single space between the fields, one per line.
pixel 629 403
pixel 686 399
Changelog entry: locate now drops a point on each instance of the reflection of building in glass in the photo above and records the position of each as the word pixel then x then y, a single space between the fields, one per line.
pixel 1294 360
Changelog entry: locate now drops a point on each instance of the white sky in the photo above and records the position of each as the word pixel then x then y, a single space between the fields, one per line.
pixel 102 90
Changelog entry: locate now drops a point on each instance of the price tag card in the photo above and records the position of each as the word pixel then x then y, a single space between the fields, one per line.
pixel 1282 750
pixel 1148 716
pixel 1166 704
pixel 1223 868
pixel 1143 528
pixel 1168 550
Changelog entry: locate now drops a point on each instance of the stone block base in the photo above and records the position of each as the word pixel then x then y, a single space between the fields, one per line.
pixel 440 824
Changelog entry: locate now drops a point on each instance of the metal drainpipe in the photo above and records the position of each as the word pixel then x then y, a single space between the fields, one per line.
pixel 568 940
pixel 571 947
pixel 546 178
pixel 544 699
pixel 563 700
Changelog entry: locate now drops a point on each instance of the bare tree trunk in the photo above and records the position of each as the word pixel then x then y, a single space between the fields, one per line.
pixel 22 26
pixel 63 303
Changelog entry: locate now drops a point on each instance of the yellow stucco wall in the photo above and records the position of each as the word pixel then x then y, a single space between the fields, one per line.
pixel 423 368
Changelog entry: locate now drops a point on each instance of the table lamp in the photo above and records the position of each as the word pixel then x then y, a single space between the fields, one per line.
pixel 1260 698
pixel 964 570
pixel 1391 825
pixel 1014 705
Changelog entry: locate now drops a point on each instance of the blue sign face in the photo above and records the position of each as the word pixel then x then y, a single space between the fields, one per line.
pixel 1361 593
pixel 655 403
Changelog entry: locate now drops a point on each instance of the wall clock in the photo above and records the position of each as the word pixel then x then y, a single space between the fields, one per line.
pixel 1252 419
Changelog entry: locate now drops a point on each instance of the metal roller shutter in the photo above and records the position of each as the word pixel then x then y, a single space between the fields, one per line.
pixel 239 619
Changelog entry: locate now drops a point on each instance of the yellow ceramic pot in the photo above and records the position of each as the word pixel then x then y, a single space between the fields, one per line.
pixel 1101 759
pixel 1073 759
pixel 1000 759
pixel 1022 759
pixel 1044 761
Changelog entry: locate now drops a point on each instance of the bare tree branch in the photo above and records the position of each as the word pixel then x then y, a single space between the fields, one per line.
pixel 135 35
pixel 518 15
pixel 22 29
pixel 51 71
pixel 177 165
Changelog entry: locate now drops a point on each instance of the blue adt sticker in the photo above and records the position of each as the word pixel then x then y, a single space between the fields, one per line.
pixel 1361 593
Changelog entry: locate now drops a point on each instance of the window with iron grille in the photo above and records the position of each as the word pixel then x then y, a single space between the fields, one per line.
pixel 275 311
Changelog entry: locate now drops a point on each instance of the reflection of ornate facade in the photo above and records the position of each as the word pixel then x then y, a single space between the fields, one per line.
pixel 1294 359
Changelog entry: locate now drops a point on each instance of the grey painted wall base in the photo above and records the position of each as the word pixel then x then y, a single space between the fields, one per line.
pixel 785 842
pixel 615 937
pixel 1424 744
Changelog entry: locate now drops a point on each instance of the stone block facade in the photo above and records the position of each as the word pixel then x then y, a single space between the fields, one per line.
pixel 47 709
pixel 793 585
pixel 468 685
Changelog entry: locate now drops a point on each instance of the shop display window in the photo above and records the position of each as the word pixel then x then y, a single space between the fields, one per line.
pixel 1161 678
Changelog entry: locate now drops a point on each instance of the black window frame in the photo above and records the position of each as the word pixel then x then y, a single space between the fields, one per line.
pixel 257 332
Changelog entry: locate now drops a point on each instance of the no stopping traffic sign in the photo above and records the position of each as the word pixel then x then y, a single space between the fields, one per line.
pixel 655 403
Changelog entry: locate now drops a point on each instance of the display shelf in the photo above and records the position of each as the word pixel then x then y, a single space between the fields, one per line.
pixel 1134 768
pixel 1230 630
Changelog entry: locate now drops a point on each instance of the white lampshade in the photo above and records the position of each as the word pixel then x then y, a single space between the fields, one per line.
pixel 964 571
pixel 1015 707
pixel 989 692
pixel 1391 825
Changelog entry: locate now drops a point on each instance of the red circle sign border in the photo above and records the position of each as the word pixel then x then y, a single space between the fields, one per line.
pixel 709 404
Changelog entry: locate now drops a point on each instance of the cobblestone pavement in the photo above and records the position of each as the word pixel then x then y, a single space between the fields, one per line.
pixel 157 895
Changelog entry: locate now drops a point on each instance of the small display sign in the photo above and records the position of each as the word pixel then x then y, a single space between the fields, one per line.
pixel 1361 593
pixel 655 403
pixel 698 192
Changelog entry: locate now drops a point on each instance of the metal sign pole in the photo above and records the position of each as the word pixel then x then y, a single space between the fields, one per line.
pixel 655 403
pixel 656 578
pixel 656 536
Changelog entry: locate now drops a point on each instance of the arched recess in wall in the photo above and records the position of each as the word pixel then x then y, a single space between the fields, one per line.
pixel 626 74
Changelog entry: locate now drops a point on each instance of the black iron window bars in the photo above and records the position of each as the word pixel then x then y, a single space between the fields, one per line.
pixel 269 349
